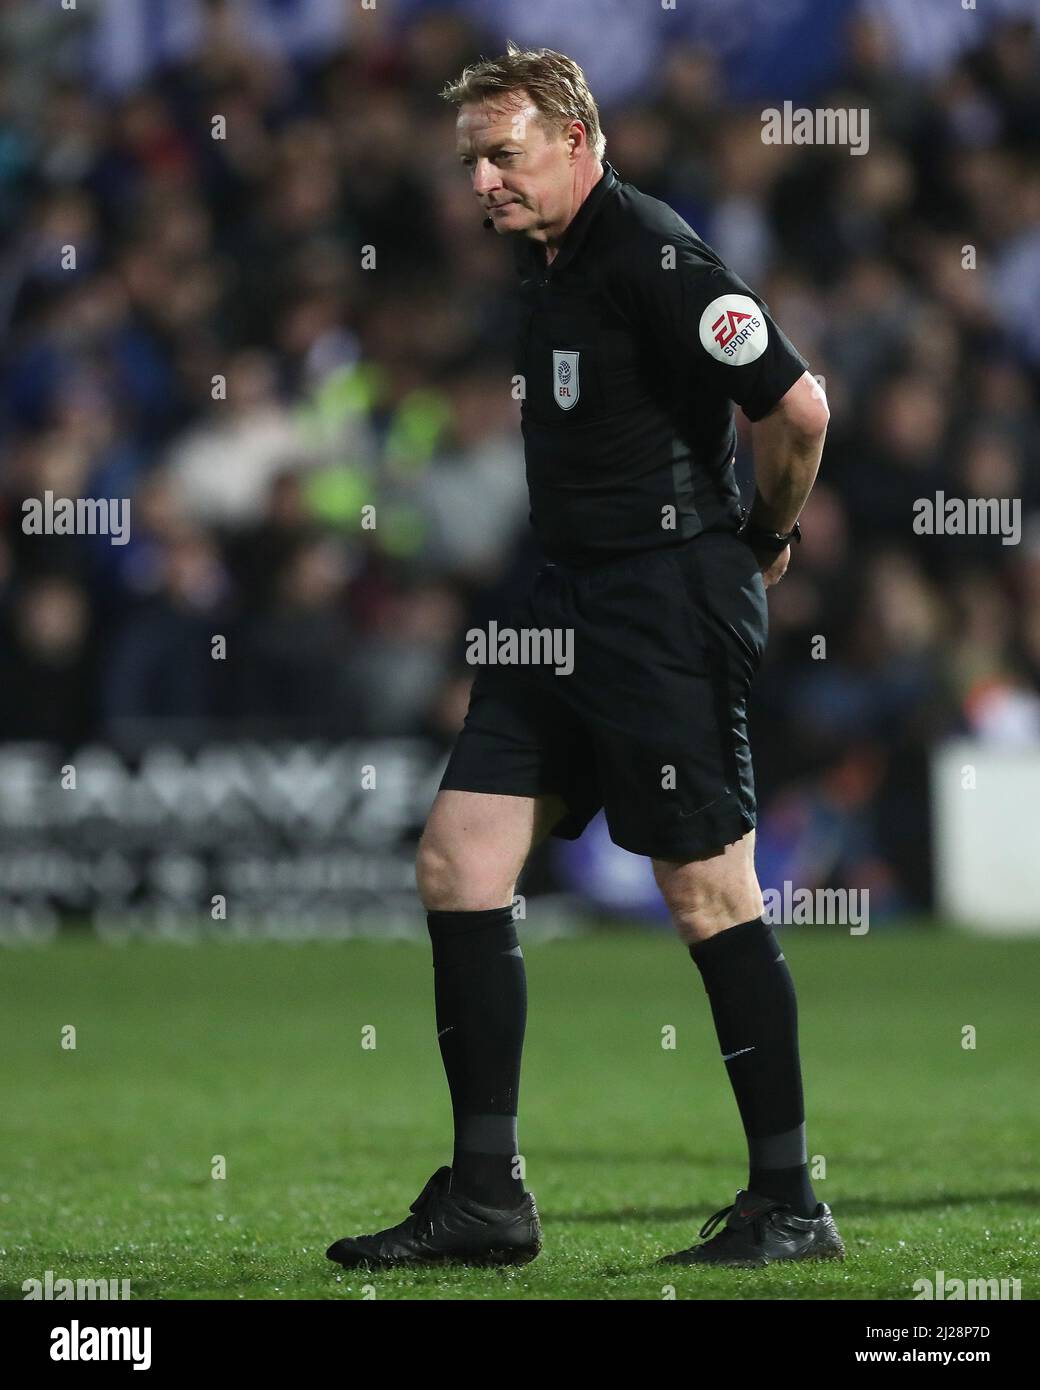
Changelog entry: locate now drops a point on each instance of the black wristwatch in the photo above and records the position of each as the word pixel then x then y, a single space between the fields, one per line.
pixel 770 541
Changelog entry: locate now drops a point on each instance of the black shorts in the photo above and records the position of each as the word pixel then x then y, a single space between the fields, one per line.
pixel 651 723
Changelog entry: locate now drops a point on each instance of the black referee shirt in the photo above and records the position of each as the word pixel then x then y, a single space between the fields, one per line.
pixel 632 347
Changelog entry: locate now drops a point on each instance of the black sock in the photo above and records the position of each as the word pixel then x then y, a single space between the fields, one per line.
pixel 756 1018
pixel 480 989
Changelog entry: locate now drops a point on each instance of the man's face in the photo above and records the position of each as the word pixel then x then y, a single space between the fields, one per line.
pixel 523 181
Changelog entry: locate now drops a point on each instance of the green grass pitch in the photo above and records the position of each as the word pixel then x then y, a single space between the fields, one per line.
pixel 254 1051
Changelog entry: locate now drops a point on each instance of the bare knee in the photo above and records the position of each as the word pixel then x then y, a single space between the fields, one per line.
pixel 706 896
pixel 475 845
pixel 458 879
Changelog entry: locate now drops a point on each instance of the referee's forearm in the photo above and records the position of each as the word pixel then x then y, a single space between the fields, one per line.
pixel 786 464
pixel 787 445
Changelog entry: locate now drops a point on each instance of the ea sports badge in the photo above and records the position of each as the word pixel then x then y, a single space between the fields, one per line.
pixel 733 330
pixel 565 379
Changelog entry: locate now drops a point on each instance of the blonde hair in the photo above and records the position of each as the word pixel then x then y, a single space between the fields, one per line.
pixel 554 82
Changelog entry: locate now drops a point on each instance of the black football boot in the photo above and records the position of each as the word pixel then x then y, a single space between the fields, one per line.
pixel 761 1230
pixel 448 1227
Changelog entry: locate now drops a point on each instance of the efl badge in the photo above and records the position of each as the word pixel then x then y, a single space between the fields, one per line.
pixel 565 378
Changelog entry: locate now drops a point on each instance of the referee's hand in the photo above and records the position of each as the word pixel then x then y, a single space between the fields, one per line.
pixel 773 566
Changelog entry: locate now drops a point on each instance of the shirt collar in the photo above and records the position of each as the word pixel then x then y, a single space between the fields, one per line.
pixel 531 254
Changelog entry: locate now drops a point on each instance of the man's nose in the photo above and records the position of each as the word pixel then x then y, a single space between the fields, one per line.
pixel 485 177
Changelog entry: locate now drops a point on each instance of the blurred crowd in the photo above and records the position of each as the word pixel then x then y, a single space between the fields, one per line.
pixel 285 337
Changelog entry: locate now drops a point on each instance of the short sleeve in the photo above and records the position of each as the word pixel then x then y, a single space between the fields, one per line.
pixel 705 319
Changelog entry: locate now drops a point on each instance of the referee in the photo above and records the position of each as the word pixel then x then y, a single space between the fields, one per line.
pixel 633 344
